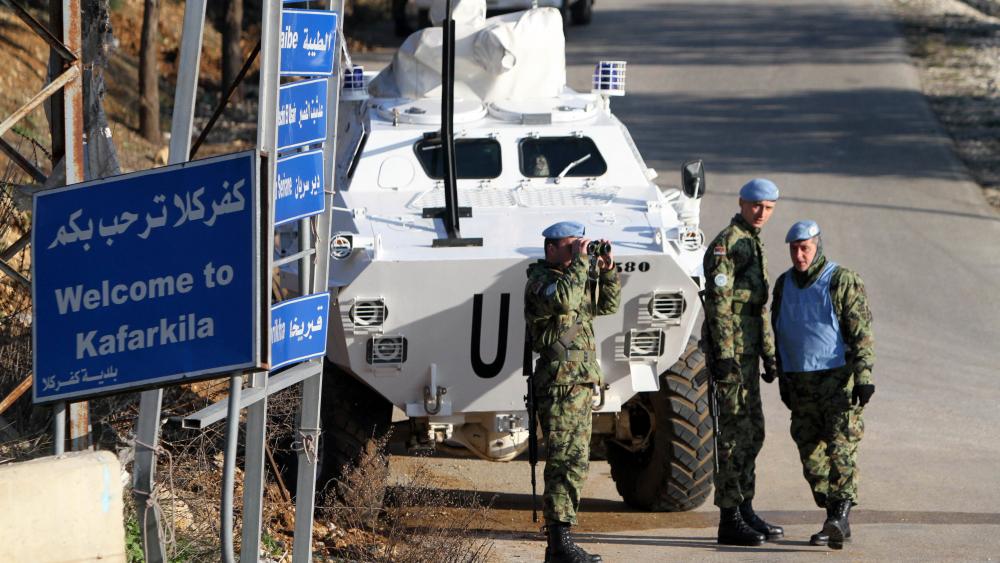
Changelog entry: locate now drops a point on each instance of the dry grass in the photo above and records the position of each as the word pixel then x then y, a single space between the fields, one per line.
pixel 956 48
pixel 369 518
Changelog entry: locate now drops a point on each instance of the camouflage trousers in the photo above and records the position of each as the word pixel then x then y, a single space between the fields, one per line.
pixel 741 433
pixel 827 430
pixel 564 412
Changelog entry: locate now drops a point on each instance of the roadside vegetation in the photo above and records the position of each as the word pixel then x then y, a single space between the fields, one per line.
pixel 955 45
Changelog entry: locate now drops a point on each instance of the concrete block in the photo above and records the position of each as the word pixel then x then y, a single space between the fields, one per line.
pixel 62 508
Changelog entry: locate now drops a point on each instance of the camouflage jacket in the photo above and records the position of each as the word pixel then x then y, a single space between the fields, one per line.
pixel 735 293
pixel 850 303
pixel 555 299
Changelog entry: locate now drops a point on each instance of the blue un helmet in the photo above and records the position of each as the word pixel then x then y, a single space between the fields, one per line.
pixel 564 229
pixel 759 189
pixel 803 230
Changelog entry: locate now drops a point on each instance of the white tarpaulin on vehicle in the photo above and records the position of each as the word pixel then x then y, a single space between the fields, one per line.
pixel 508 57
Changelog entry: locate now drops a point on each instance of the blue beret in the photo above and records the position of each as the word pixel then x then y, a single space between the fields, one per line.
pixel 803 230
pixel 565 229
pixel 759 189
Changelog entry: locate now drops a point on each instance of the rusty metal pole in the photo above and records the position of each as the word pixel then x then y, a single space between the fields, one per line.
pixel 72 96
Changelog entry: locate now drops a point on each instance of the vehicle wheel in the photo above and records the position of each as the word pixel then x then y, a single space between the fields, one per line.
pixel 352 414
pixel 565 10
pixel 583 12
pixel 671 470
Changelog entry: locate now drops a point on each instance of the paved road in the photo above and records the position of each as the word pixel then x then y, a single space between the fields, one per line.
pixel 819 96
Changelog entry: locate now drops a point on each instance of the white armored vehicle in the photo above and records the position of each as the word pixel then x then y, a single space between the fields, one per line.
pixel 432 323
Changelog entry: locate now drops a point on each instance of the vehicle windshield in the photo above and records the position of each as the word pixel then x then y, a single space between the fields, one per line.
pixel 550 157
pixel 474 158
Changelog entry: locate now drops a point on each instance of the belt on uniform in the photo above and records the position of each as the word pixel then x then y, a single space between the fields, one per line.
pixel 569 355
pixel 748 309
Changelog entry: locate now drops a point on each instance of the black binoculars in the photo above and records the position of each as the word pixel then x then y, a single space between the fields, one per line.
pixel 598 248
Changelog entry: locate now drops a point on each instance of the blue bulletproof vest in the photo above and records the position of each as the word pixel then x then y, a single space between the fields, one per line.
pixel 808 330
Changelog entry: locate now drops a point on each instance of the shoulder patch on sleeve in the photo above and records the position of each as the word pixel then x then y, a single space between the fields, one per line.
pixel 721 280
pixel 550 290
pixel 719 250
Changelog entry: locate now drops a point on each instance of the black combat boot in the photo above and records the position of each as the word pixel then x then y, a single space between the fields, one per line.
pixel 770 531
pixel 821 537
pixel 836 527
pixel 734 531
pixel 561 548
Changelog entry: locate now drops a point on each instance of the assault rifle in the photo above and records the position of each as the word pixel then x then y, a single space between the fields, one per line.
pixel 532 406
pixel 713 402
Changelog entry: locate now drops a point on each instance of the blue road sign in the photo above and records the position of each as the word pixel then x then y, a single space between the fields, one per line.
pixel 298 190
pixel 307 41
pixel 147 279
pixel 298 329
pixel 302 113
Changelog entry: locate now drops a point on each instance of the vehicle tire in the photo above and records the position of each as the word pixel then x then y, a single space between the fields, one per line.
pixel 673 472
pixel 565 11
pixel 582 12
pixel 352 414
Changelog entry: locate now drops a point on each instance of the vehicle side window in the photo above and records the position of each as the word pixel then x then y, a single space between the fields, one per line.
pixel 547 157
pixel 474 158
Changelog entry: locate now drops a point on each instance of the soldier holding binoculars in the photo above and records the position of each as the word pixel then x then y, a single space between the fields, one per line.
pixel 564 293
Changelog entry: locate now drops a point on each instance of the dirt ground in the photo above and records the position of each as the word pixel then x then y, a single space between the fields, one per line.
pixel 956 47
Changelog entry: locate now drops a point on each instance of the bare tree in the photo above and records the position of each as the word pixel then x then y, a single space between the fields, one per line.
pixel 149 90
pixel 232 52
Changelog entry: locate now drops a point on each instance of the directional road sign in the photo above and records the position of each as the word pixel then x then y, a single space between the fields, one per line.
pixel 302 113
pixel 298 329
pixel 307 41
pixel 298 190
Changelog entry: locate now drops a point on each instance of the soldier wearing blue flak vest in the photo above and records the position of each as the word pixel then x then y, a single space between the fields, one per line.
pixel 823 332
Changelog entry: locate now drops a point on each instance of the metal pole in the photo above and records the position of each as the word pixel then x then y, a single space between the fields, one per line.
pixel 148 426
pixel 305 489
pixel 253 472
pixel 59 427
pixel 72 17
pixel 147 435
pixel 309 420
pixel 256 433
pixel 229 467
pixel 447 134
pixel 182 120
pixel 79 427
pixel 73 93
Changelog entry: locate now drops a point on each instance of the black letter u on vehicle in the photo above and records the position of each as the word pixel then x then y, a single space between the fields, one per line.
pixel 482 369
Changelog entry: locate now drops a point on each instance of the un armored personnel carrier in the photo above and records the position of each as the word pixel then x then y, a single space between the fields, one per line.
pixel 429 320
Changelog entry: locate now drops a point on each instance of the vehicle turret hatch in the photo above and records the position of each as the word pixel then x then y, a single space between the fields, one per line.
pixel 396 172
pixel 474 158
pixel 559 157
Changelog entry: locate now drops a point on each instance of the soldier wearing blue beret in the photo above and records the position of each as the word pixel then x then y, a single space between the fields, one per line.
pixel 823 330
pixel 736 337
pixel 561 299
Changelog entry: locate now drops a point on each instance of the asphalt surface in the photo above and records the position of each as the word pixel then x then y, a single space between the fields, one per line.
pixel 819 96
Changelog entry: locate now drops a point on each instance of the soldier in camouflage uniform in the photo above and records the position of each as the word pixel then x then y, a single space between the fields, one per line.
pixel 736 338
pixel 561 299
pixel 824 334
